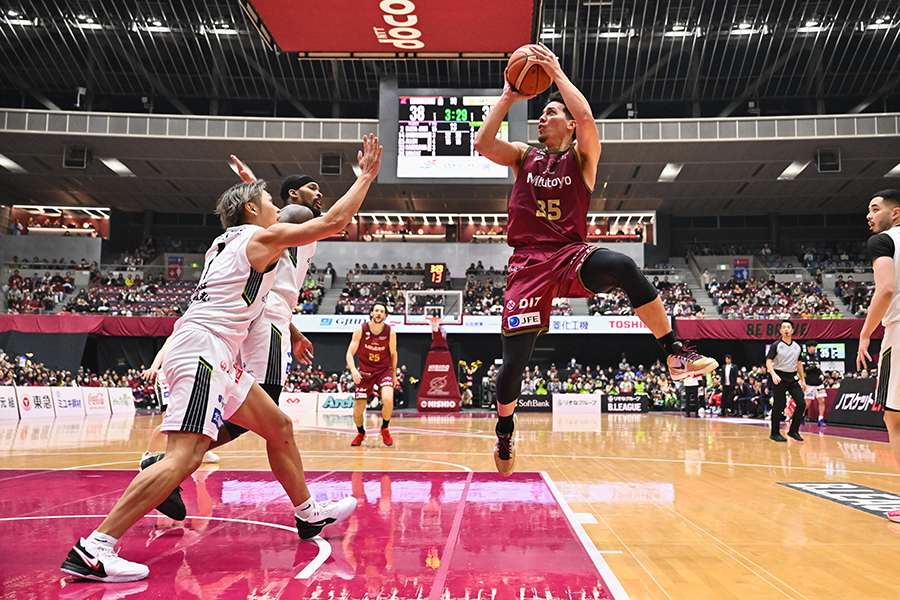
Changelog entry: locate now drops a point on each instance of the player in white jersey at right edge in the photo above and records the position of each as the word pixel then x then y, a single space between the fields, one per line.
pixel 884 250
pixel 205 386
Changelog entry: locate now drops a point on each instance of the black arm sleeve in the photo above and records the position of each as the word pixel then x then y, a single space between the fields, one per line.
pixel 880 245
pixel 773 350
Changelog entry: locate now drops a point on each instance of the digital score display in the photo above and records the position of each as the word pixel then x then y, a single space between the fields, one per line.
pixel 436 137
pixel 831 351
pixel 435 274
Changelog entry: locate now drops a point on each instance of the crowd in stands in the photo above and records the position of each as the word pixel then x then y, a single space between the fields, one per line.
pixel 676 298
pixel 22 372
pixel 574 378
pixel 744 299
pixel 37 294
pixel 821 260
pixel 358 297
pixel 385 269
pixel 854 294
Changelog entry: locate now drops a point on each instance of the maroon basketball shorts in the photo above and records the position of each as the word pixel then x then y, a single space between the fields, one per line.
pixel 537 275
pixel 373 381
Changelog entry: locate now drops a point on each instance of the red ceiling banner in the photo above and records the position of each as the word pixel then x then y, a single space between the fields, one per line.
pixel 405 27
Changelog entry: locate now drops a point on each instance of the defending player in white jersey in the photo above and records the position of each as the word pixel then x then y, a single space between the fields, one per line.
pixel 205 386
pixel 884 250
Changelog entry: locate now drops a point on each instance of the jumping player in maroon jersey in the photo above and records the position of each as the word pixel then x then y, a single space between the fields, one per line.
pixel 547 229
pixel 376 344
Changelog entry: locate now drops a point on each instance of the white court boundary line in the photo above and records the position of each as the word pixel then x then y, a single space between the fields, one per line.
pixel 307 572
pixel 618 592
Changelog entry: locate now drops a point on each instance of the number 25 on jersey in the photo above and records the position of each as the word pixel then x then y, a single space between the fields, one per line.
pixel 548 209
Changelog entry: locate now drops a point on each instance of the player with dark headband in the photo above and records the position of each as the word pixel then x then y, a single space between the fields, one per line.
pixel 548 229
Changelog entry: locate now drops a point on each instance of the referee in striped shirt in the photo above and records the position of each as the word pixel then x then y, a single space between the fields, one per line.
pixel 786 373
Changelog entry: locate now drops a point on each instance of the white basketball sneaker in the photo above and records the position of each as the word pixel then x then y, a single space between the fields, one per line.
pixel 325 513
pixel 101 563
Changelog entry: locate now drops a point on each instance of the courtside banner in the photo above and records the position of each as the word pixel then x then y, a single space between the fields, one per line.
pixel 767 329
pixel 438 390
pixel 577 403
pixel 635 403
pixel 35 403
pixel 536 403
pixel 854 405
pixel 67 401
pixel 335 404
pixel 9 408
pixel 391 27
pixel 96 401
pixel 471 324
pixel 121 401
pixel 298 402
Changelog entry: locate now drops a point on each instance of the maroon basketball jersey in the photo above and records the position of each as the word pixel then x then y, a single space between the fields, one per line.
pixel 374 351
pixel 549 201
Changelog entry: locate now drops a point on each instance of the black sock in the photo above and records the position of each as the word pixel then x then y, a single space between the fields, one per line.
pixel 361 429
pixel 668 342
pixel 384 424
pixel 505 425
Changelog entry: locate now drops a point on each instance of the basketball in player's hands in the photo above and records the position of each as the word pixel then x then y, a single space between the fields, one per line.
pixel 524 75
pixel 295 213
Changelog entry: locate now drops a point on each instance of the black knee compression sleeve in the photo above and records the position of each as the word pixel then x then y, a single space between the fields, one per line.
pixel 517 351
pixel 273 391
pixel 605 269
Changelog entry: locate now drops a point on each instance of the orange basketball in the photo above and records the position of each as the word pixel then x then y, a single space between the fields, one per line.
pixel 524 75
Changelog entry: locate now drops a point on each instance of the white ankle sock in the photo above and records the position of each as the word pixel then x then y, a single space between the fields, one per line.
pixel 101 539
pixel 305 510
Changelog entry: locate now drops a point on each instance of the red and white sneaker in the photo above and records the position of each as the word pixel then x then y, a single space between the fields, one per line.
pixel 893 515
pixel 358 440
pixel 386 436
pixel 684 362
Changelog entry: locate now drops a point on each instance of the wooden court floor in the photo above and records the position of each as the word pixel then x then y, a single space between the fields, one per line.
pixel 668 507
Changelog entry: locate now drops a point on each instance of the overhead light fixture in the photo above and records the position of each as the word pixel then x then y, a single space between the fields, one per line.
pixel 670 172
pixel 811 26
pixel 11 165
pixel 682 31
pixel 880 23
pixel 794 169
pixel 117 167
pixel 550 35
pixel 895 172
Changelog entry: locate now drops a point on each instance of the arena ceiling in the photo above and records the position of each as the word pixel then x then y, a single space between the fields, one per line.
pixel 663 59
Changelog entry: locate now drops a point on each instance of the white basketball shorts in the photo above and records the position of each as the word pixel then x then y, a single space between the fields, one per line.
pixel 205 386
pixel 887 389
pixel 266 353
pixel 814 391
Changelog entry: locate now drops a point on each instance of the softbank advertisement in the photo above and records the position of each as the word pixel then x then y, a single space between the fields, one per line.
pixel 472 324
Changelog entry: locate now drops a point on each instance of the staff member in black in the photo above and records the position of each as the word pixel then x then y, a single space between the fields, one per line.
pixel 786 373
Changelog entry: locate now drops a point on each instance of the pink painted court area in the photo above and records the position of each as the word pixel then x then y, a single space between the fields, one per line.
pixel 414 535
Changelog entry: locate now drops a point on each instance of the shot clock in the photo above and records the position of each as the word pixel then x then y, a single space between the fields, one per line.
pixel 435 275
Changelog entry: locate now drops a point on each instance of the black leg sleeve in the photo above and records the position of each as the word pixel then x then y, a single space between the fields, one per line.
pixel 605 269
pixel 517 351
pixel 274 392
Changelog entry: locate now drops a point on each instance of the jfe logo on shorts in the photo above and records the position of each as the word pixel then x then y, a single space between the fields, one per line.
pixel 526 320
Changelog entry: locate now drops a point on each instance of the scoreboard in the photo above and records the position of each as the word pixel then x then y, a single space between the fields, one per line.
pixel 436 137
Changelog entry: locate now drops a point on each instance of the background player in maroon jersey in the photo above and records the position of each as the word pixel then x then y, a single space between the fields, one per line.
pixel 376 344
pixel 548 228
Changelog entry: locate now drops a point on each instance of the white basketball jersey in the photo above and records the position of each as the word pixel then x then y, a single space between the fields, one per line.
pixel 231 293
pixel 291 273
pixel 893 312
